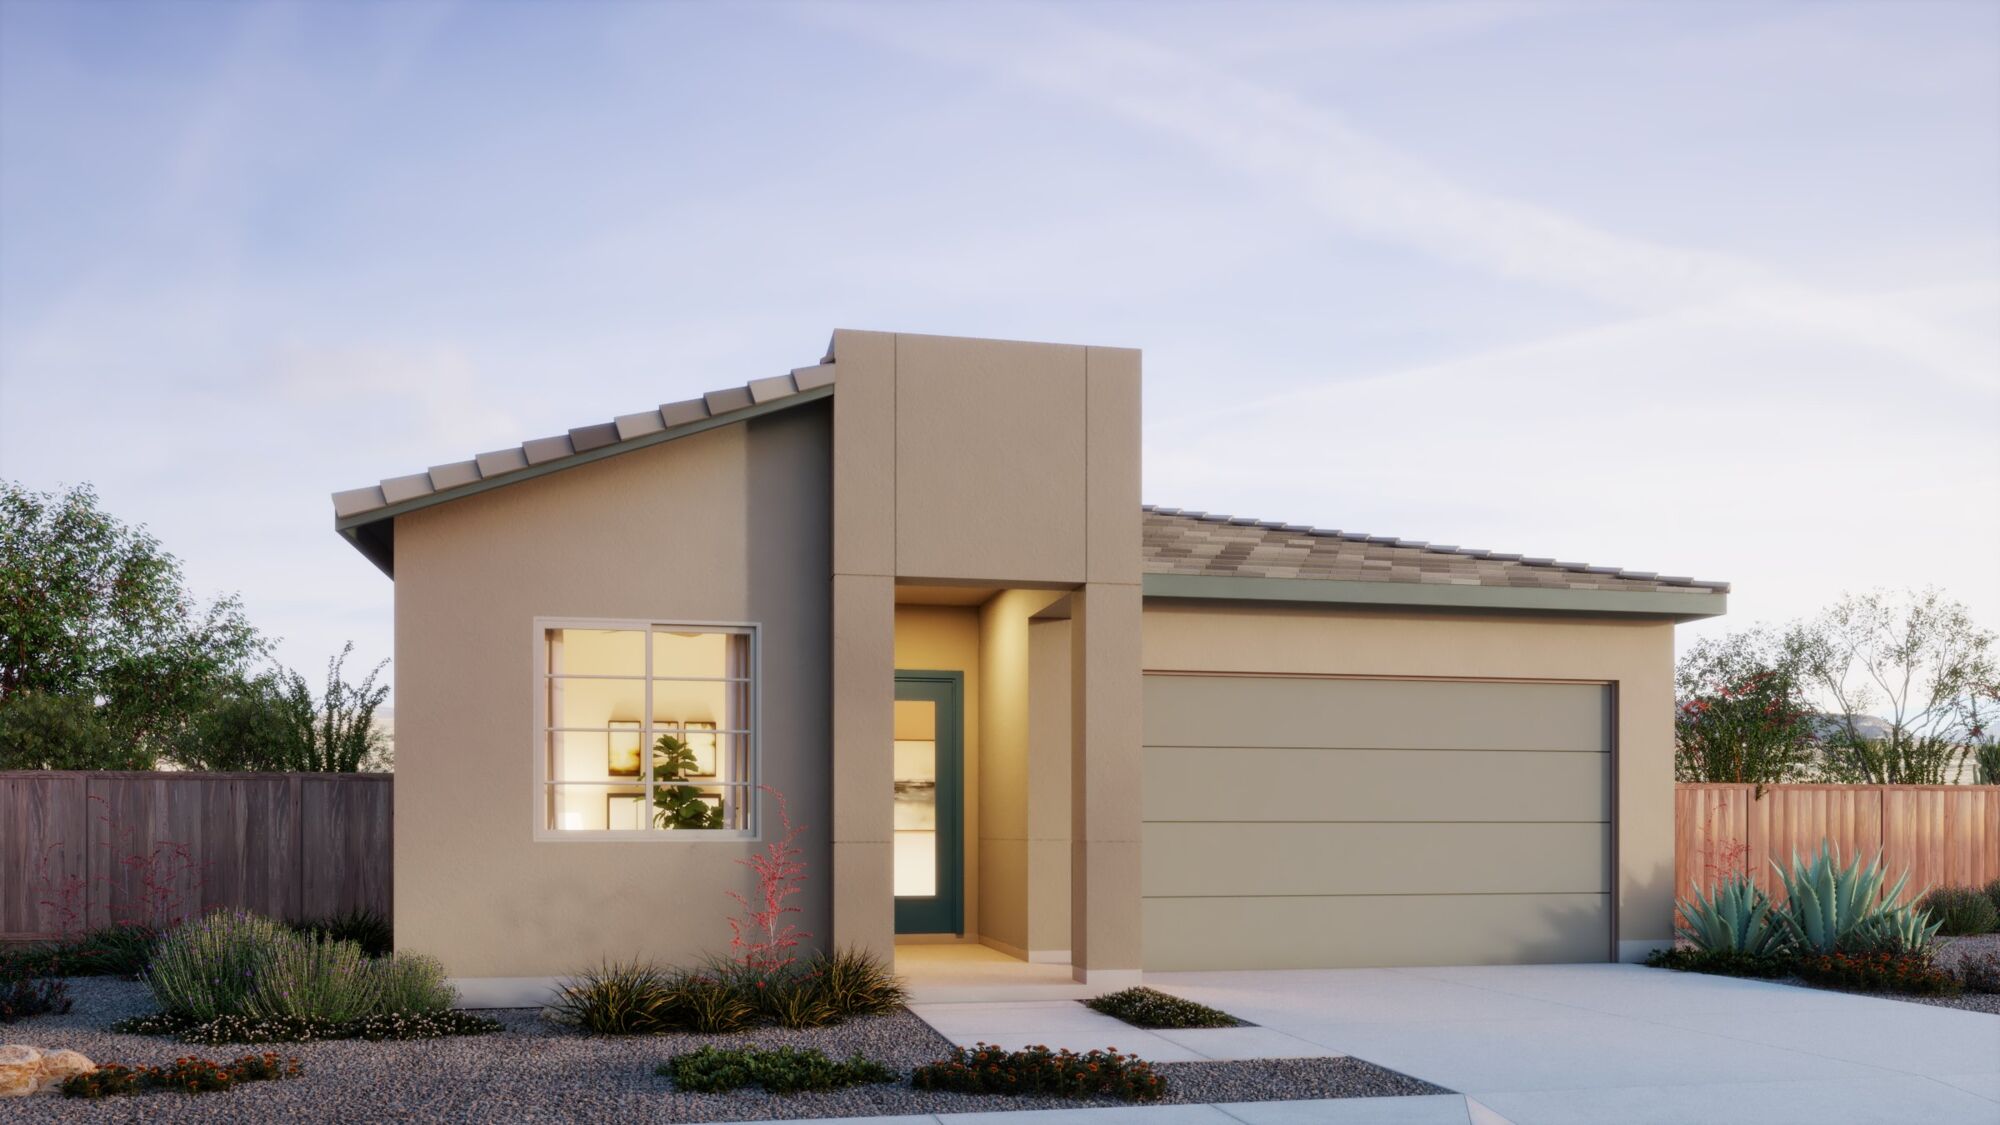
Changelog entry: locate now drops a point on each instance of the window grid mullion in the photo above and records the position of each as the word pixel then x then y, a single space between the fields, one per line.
pixel 646 739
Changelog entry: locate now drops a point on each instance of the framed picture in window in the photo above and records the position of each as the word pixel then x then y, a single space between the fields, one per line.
pixel 625 812
pixel 622 738
pixel 701 739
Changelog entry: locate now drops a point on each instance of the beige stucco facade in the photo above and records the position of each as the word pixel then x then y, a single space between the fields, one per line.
pixel 609 540
pixel 972 506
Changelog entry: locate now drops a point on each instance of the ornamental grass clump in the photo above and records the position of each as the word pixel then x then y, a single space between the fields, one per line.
pixel 1959 911
pixel 855 982
pixel 986 1069
pixel 1149 1007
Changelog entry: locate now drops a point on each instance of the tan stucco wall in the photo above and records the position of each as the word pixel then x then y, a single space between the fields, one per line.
pixel 1635 656
pixel 1006 796
pixel 1048 789
pixel 946 639
pixel 728 525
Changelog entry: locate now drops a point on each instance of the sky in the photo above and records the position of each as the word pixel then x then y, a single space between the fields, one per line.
pixel 1704 289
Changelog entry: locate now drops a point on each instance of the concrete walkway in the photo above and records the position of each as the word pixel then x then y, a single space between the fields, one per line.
pixel 1574 1045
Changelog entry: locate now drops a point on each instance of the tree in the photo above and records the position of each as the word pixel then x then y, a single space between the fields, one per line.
pixel 273 722
pixel 39 731
pixel 1917 656
pixel 93 609
pixel 1741 713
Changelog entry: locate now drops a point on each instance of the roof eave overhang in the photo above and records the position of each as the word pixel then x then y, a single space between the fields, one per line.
pixel 1690 606
pixel 373 532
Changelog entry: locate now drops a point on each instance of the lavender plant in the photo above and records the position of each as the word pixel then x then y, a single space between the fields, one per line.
pixel 209 967
pixel 315 977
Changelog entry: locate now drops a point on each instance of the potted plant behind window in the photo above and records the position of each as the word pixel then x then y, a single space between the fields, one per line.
pixel 676 805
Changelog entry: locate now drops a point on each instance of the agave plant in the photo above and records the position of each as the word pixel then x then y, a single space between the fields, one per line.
pixel 1737 917
pixel 1830 909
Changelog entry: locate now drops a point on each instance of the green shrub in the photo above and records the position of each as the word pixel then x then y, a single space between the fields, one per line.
pixel 209 967
pixel 1880 971
pixel 365 928
pixel 1993 893
pixel 121 950
pixel 315 978
pixel 1979 972
pixel 1724 962
pixel 292 1029
pixel 1149 1007
pixel 24 996
pixel 1960 910
pixel 779 1070
pixel 986 1069
pixel 189 1075
pixel 855 982
pixel 1736 917
pixel 1831 909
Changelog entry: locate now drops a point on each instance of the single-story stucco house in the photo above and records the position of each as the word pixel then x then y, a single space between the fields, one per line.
pixel 912 588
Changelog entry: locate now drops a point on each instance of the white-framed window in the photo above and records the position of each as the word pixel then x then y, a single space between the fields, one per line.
pixel 645 730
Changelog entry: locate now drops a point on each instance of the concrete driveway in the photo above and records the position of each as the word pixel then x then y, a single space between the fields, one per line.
pixel 1590 1044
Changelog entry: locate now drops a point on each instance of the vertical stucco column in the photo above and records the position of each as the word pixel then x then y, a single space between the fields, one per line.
pixel 1105 686
pixel 1645 764
pixel 864 640
pixel 1105 705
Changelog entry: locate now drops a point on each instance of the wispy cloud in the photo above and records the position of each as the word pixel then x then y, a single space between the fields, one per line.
pixel 1374 190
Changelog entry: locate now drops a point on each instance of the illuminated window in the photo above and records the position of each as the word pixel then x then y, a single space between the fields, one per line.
pixel 645 730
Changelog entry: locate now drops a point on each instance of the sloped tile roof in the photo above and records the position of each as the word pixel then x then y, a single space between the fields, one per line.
pixel 1179 542
pixel 626 428
pixel 1174 541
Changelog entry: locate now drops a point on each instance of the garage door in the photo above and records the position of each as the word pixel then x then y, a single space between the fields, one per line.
pixel 1300 822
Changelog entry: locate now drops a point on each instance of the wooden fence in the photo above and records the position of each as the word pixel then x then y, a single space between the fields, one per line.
pixel 1943 835
pixel 78 850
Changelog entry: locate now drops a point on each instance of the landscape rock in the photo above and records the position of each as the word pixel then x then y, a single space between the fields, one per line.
pixel 58 1065
pixel 20 1071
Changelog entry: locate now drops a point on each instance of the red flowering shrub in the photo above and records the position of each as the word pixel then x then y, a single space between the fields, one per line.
pixel 1887 971
pixel 986 1069
pixel 188 1074
pixel 1741 715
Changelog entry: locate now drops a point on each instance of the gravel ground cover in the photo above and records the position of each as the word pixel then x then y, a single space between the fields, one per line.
pixel 535 1073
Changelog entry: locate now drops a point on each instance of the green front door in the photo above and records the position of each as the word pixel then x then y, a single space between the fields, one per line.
pixel 930 847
